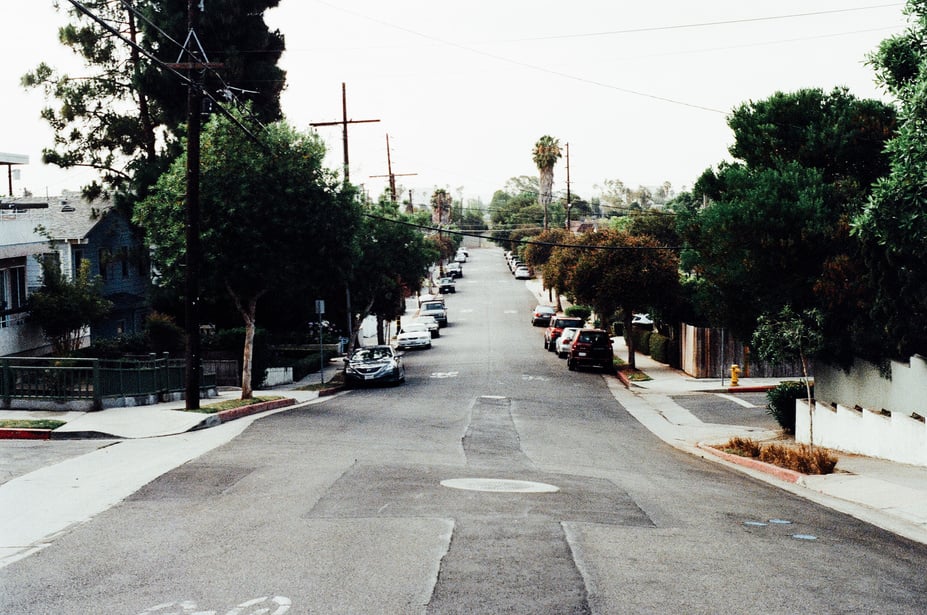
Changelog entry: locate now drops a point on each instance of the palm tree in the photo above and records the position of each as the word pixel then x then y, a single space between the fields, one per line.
pixel 546 153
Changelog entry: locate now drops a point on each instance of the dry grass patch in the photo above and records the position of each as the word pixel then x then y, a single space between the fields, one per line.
pixel 799 458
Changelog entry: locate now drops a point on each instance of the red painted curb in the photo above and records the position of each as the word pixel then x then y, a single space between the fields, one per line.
pixel 760 388
pixel 789 476
pixel 14 433
pixel 237 413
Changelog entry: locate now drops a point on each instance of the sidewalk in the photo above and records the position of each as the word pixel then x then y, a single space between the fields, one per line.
pixel 886 494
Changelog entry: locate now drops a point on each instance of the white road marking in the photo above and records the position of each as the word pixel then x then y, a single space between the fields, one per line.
pixel 530 377
pixel 510 312
pixel 189 607
pixel 444 374
pixel 736 400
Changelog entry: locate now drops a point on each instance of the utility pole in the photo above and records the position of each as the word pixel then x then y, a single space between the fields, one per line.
pixel 344 128
pixel 568 205
pixel 392 176
pixel 196 64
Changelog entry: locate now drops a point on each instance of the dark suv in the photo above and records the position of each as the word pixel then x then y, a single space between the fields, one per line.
pixel 591 347
pixel 557 324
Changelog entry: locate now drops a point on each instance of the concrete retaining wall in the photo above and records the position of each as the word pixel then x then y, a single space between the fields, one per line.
pixel 277 375
pixel 888 435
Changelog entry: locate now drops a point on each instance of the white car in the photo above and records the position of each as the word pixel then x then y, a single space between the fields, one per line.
pixel 522 273
pixel 414 335
pixel 429 321
pixel 565 340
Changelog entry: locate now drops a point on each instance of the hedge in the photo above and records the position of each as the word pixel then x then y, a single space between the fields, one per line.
pixel 659 347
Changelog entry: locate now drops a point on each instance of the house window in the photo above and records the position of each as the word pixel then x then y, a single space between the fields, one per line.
pixel 12 293
pixel 78 260
pixel 124 259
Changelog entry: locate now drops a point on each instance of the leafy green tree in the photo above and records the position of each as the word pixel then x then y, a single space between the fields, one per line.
pixel 545 155
pixel 64 308
pixel 538 253
pixel 773 229
pixel 622 271
pixel 272 218
pixel 124 117
pixel 394 261
pixel 892 226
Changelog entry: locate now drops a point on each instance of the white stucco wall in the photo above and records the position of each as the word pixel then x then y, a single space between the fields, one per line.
pixel 859 411
pixel 894 436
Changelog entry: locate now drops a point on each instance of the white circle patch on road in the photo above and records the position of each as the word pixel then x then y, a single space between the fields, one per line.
pixel 499 485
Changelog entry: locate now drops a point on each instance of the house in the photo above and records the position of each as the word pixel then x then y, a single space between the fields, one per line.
pixel 75 231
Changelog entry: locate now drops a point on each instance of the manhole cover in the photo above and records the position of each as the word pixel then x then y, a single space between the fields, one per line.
pixel 499 485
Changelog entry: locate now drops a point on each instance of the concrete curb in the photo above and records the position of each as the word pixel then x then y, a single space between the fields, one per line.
pixel 236 413
pixel 789 476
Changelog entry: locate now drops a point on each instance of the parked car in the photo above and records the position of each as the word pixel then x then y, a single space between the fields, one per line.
pixel 557 324
pixel 522 273
pixel 565 340
pixel 447 285
pixel 460 257
pixel 642 320
pixel 542 315
pixel 436 309
pixel 429 321
pixel 464 251
pixel 374 364
pixel 413 335
pixel 425 298
pixel 454 270
pixel 591 347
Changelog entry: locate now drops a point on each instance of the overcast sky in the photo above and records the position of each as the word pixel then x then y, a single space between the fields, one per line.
pixel 640 90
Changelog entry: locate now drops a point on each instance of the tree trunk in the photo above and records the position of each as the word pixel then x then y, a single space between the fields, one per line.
pixel 248 315
pixel 630 339
pixel 804 373
pixel 246 359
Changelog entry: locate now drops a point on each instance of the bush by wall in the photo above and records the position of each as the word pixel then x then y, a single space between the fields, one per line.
pixel 659 347
pixel 781 403
pixel 641 339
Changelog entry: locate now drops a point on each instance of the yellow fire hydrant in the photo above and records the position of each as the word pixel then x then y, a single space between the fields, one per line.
pixel 735 374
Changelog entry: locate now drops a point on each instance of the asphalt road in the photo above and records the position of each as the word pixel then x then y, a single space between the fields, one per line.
pixel 493 481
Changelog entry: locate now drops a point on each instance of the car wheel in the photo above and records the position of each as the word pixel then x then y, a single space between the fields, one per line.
pixel 561 355
pixel 571 365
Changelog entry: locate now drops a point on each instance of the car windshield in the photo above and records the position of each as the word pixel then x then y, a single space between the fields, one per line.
pixel 414 327
pixel 567 322
pixel 371 354
pixel 433 306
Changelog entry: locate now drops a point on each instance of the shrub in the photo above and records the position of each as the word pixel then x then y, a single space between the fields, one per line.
pixel 781 403
pixel 580 311
pixel 641 339
pixel 659 347
pixel 164 334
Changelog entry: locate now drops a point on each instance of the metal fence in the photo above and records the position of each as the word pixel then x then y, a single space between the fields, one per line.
pixel 93 380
